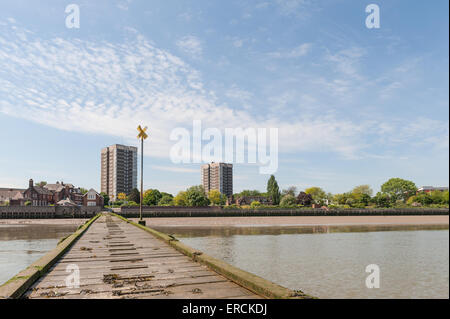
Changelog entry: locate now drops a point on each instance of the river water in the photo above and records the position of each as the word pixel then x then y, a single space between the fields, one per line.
pixel 323 261
pixel 21 245
pixel 331 261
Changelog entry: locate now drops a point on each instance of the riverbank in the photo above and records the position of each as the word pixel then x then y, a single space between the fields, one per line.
pixel 296 221
pixel 46 221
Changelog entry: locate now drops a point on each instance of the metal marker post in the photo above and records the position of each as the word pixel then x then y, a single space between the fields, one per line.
pixel 142 135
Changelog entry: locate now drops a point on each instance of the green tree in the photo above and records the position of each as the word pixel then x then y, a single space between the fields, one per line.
pixel 318 194
pixel 248 192
pixel 180 199
pixel 340 199
pixel 166 194
pixel 105 198
pixel 363 189
pixel 83 190
pixel 135 196
pixel 398 188
pixel 440 198
pixel 291 190
pixel 424 199
pixel 288 201
pixel 166 200
pixel 273 191
pixel 151 197
pixel 195 196
pixel 382 200
pixel 216 198
pixel 41 183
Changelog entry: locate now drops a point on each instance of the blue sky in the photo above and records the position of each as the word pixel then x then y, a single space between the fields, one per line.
pixel 352 105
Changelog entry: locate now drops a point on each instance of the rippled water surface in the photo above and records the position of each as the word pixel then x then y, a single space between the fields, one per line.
pixel 21 245
pixel 330 261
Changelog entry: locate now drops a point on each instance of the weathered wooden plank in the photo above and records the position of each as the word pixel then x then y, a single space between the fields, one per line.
pixel 118 260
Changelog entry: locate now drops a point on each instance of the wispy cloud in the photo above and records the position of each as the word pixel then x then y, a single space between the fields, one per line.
pixel 109 88
pixel 298 51
pixel 191 45
pixel 175 169
pixel 124 4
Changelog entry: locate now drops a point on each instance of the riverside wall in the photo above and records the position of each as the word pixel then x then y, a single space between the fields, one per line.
pixel 217 211
pixel 42 212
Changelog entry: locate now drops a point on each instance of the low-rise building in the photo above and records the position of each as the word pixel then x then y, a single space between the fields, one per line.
pixel 92 198
pixel 10 194
pixel 62 191
pixel 37 195
pixel 247 200
pixel 53 194
pixel 429 189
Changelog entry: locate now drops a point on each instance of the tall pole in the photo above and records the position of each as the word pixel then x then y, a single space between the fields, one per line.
pixel 142 182
pixel 142 135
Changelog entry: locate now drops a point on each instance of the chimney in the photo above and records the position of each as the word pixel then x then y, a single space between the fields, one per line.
pixel 30 183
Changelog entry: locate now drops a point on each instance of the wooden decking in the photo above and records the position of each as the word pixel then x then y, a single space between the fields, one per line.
pixel 119 260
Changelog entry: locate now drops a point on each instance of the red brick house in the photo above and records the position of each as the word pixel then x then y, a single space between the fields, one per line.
pixel 92 198
pixel 63 191
pixel 53 194
pixel 38 196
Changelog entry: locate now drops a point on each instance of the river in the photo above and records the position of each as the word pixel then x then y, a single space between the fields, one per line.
pixel 21 245
pixel 331 261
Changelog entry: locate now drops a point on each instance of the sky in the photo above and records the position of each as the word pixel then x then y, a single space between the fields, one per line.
pixel 352 105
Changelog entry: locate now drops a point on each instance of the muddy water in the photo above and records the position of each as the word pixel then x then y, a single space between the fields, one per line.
pixel 21 245
pixel 331 261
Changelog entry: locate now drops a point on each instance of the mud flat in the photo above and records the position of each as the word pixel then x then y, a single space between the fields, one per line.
pixel 297 221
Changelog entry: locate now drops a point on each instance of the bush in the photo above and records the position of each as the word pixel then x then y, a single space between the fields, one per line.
pixel 27 203
pixel 288 201
pixel 232 206
pixel 130 203
pixel 255 204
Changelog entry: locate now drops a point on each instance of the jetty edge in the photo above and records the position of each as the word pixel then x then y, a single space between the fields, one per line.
pixel 247 280
pixel 15 287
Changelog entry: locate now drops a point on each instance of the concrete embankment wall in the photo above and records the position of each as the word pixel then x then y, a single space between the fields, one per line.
pixel 34 212
pixel 171 211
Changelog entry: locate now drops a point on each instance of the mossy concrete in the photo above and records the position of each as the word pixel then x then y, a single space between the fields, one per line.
pixel 256 284
pixel 19 284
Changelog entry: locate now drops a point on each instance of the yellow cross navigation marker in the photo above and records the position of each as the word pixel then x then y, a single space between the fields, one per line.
pixel 142 136
pixel 142 133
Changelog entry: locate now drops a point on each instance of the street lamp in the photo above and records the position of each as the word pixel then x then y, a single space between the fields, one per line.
pixel 142 136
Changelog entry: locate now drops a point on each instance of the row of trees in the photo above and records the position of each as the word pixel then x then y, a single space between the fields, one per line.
pixel 395 192
pixel 194 196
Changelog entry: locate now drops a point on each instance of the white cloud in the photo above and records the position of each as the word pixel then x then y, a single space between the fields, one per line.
pixel 297 52
pixel 124 4
pixel 175 169
pixel 347 61
pixel 190 45
pixel 109 88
